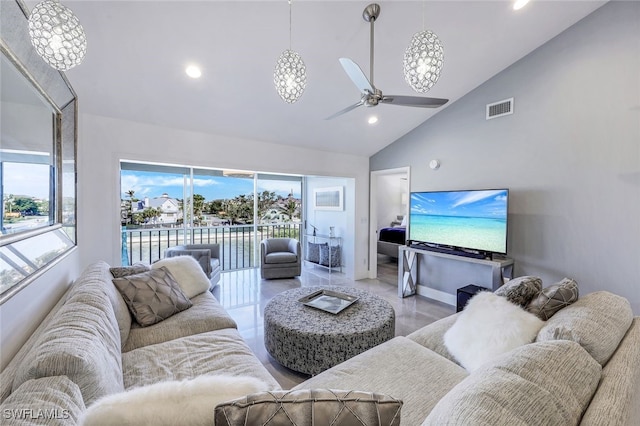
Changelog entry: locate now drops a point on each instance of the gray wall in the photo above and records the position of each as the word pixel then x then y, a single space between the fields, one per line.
pixel 569 154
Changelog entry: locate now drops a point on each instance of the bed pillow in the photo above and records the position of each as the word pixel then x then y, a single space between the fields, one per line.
pixel 186 402
pixel 187 272
pixel 488 326
pixel 553 298
pixel 152 296
pixel 310 406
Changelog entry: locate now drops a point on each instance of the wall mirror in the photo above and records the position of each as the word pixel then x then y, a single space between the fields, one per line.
pixel 37 158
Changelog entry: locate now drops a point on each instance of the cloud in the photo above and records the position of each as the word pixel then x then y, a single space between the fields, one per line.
pixel 475 196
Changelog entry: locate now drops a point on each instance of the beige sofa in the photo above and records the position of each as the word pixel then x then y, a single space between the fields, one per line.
pixel 90 338
pixel 583 369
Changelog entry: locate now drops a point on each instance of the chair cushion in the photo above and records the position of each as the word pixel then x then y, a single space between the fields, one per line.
pixel 152 296
pixel 313 251
pixel 206 314
pixel 313 406
pixel 281 257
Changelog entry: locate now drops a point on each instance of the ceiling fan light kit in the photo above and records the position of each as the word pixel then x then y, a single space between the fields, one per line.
pixel 57 35
pixel 290 74
pixel 423 60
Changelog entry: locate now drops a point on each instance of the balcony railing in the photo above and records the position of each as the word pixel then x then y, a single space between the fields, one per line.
pixel 238 243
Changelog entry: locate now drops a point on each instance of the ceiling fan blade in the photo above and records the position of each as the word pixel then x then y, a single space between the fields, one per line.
pixel 414 101
pixel 356 75
pixel 344 111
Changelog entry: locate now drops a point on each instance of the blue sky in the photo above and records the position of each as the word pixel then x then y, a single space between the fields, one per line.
pixel 153 184
pixel 490 203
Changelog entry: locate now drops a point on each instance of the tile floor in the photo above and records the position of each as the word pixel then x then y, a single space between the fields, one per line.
pixel 245 295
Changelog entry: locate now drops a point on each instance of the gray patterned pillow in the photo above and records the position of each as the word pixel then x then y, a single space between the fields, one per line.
pixel 152 296
pixel 313 251
pixel 123 271
pixel 325 250
pixel 551 299
pixel 299 407
pixel 520 290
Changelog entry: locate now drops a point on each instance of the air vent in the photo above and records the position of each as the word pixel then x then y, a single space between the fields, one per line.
pixel 500 108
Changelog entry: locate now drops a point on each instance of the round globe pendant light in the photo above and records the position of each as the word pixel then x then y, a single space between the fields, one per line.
pixel 290 74
pixel 423 60
pixel 57 35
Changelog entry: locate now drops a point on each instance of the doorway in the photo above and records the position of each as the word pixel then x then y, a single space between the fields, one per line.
pixel 389 208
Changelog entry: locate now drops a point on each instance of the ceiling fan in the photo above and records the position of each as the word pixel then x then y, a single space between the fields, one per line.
pixel 371 96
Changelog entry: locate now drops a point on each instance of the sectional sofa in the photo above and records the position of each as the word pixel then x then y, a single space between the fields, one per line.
pixel 583 368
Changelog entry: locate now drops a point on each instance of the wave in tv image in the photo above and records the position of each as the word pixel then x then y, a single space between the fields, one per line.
pixel 466 219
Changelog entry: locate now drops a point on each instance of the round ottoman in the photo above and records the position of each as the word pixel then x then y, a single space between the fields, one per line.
pixel 310 340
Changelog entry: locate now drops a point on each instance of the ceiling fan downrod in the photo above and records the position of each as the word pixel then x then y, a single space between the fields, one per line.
pixel 370 14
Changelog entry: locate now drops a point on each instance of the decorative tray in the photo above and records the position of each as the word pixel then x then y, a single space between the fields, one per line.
pixel 329 301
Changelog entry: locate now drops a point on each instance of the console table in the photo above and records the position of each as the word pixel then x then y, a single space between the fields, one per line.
pixel 409 260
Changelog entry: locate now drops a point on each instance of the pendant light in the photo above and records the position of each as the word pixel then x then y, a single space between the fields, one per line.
pixel 423 60
pixel 57 35
pixel 290 74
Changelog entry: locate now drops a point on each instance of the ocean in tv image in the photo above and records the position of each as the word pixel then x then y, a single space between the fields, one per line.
pixel 469 219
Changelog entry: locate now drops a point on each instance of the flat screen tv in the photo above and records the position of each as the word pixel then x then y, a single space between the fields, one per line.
pixel 473 221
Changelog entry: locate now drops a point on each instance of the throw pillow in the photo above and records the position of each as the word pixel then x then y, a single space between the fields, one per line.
pixel 187 273
pixel 311 406
pixel 187 402
pixel 123 271
pixel 152 296
pixel 313 251
pixel 520 290
pixel 551 299
pixel 488 326
pixel 334 251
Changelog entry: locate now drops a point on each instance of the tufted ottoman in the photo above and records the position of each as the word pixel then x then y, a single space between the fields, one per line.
pixel 310 340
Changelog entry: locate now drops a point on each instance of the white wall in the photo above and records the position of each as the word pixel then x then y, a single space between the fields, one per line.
pixel 389 198
pixel 342 221
pixel 570 153
pixel 105 141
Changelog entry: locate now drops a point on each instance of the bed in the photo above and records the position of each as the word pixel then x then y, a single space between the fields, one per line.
pixel 389 239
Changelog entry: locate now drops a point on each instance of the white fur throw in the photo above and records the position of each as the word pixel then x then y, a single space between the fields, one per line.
pixel 188 274
pixel 187 402
pixel 488 326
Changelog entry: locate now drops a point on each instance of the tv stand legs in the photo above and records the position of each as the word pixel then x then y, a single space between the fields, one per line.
pixel 408 273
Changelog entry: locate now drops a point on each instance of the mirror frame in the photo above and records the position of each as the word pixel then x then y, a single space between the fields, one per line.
pixel 15 45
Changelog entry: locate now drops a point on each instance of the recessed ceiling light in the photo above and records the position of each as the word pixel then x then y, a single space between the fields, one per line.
pixel 193 71
pixel 519 4
pixel 372 120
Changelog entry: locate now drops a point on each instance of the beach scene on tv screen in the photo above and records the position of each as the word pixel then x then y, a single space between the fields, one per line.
pixel 468 219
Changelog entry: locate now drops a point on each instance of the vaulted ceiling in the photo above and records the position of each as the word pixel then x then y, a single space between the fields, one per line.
pixel 138 50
